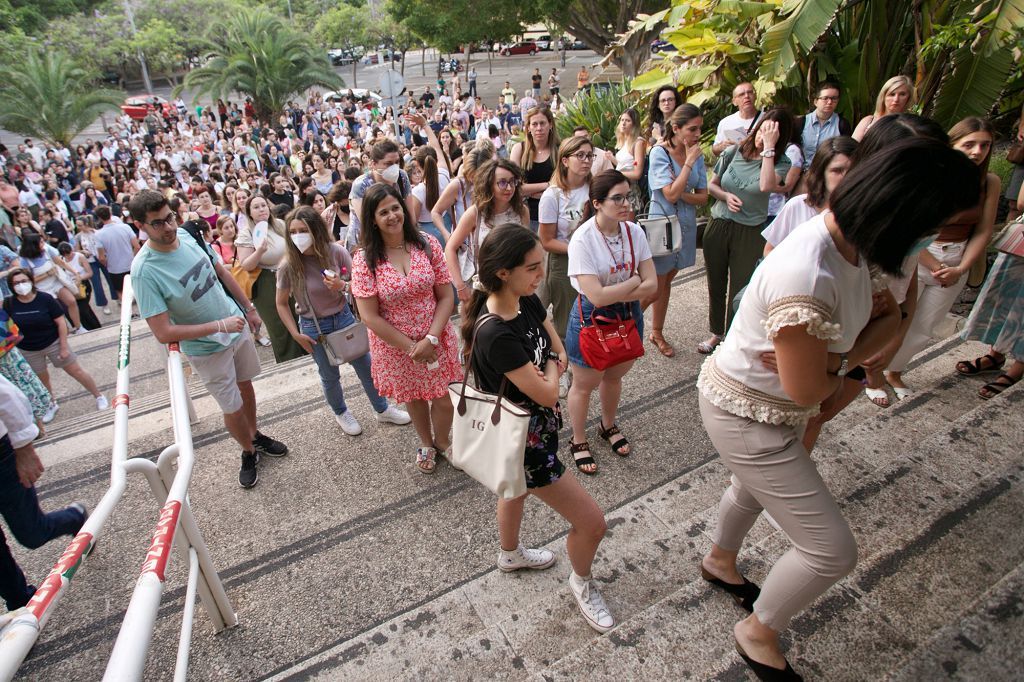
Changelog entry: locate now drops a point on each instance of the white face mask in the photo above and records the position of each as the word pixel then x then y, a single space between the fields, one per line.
pixel 302 241
pixel 23 288
pixel 391 173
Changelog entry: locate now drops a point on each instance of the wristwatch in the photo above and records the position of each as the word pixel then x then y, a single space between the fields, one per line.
pixel 432 339
pixel 768 153
pixel 843 362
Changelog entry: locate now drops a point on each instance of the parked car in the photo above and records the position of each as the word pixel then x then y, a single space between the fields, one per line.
pixel 577 45
pixel 658 45
pixel 523 47
pixel 137 107
pixel 341 57
pixel 544 42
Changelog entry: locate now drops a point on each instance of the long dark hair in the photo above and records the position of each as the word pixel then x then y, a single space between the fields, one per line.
pixel 31 244
pixel 504 248
pixel 600 187
pixel 426 157
pixel 370 237
pixel 888 202
pixel 654 114
pixel 292 261
pixel 817 193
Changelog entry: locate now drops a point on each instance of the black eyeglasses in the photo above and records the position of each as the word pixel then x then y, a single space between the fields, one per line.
pixel 618 199
pixel 507 184
pixel 584 156
pixel 161 223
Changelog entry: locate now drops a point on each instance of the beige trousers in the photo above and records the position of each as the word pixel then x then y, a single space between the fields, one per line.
pixel 772 471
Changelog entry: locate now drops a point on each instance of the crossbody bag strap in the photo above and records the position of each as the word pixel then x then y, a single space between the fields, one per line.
pixel 632 251
pixel 461 407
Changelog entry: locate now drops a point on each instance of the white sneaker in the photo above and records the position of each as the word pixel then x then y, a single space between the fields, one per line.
pixel 106 310
pixel 347 421
pixel 51 412
pixel 81 330
pixel 101 403
pixel 564 382
pixel 394 415
pixel 264 341
pixel 591 603
pixel 522 557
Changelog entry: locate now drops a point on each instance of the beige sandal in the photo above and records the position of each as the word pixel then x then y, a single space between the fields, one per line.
pixel 426 460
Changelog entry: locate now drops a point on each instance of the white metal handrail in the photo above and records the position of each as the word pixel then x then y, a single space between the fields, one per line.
pixel 21 628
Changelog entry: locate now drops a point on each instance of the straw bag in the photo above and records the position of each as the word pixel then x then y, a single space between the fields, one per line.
pixel 489 433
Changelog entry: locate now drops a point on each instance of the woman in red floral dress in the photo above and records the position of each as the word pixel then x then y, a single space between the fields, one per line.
pixel 404 294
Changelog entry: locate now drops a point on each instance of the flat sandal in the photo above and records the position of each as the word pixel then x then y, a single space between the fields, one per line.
pixel 583 461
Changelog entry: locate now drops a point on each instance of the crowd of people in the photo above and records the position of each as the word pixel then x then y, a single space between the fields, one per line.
pixel 832 254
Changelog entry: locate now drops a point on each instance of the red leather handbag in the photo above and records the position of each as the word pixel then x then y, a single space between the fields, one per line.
pixel 610 340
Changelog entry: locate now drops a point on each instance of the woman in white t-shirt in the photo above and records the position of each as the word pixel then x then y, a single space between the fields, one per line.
pixel 610 265
pixel 560 211
pixel 497 200
pixel 809 309
pixel 830 164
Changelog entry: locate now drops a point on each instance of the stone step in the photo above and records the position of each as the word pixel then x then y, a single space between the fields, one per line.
pixel 673 625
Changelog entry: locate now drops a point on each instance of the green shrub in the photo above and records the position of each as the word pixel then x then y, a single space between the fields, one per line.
pixel 598 110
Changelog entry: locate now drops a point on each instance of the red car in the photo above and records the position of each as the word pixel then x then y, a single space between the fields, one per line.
pixel 525 47
pixel 137 107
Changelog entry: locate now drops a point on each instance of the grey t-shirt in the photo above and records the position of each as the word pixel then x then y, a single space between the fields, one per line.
pixel 116 240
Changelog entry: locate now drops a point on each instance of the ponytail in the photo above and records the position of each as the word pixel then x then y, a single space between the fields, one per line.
pixel 470 314
pixel 430 177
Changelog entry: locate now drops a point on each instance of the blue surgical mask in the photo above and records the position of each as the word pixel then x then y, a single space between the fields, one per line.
pixel 921 244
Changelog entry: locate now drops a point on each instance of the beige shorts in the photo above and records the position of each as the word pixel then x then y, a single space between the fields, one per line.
pixel 221 372
pixel 37 358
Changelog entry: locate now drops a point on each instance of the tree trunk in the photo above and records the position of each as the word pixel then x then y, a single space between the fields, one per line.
pixel 490 63
pixel 423 62
pixel 469 54
pixel 403 63
pixel 355 63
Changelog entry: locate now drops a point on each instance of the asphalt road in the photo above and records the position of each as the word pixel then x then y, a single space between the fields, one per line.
pixel 491 77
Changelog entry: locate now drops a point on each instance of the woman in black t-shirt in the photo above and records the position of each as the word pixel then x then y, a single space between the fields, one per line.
pixel 520 344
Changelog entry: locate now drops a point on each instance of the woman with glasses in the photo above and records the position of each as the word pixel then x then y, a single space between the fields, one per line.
pixel 337 216
pixel 664 101
pixel 561 211
pixel 611 267
pixel 497 201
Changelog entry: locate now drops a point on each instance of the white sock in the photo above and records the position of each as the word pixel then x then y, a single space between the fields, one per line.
pixel 512 556
pixel 579 581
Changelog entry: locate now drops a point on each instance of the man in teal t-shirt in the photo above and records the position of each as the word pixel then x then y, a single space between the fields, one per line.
pixel 183 294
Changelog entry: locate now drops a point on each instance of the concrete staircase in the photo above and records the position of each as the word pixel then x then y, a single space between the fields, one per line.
pixel 344 563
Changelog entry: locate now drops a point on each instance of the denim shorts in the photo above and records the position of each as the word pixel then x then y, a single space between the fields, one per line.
pixel 572 332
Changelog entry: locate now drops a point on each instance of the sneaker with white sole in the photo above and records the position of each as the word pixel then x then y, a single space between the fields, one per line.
pixel 394 415
pixel 102 403
pixel 591 603
pixel 80 331
pixel 264 341
pixel 522 557
pixel 347 421
pixel 106 310
pixel 51 412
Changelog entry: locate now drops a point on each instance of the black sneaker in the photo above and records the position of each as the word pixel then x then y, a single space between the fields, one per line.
pixel 268 446
pixel 247 475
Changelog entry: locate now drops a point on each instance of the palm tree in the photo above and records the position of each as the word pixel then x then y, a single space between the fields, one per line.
pixel 49 97
pixel 257 55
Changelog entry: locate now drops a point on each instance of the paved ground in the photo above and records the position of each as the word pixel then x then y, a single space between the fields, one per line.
pixel 490 80
pixel 345 563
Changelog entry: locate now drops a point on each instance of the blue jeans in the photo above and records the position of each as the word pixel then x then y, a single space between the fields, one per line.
pixel 29 525
pixel 98 273
pixel 330 375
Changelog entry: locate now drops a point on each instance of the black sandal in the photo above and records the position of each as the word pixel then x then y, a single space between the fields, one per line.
pixel 995 387
pixel 766 672
pixel 583 461
pixel 972 368
pixel 745 594
pixel 619 445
